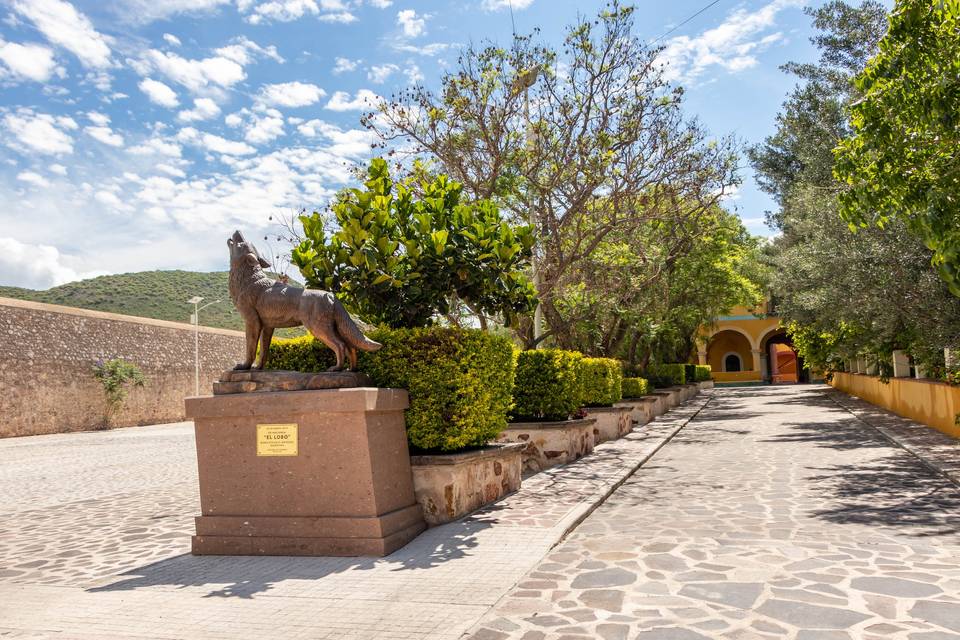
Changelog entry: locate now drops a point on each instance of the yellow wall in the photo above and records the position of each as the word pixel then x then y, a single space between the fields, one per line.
pixel 736 376
pixel 725 342
pixel 932 403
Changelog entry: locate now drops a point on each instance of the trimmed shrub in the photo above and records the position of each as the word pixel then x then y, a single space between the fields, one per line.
pixel 460 380
pixel 601 382
pixel 635 387
pixel 689 372
pixel 666 375
pixel 703 372
pixel 549 385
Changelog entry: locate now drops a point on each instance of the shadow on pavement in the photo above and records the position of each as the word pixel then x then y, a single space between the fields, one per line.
pixel 246 576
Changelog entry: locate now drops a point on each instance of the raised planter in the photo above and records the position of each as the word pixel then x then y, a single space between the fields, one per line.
pixel 612 422
pixel 548 444
pixel 642 409
pixel 451 485
pixel 669 398
pixel 705 384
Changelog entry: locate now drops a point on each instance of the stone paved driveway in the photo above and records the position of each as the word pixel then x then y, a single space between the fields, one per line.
pixel 775 513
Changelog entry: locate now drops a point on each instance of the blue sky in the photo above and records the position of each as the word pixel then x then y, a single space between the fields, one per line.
pixel 137 134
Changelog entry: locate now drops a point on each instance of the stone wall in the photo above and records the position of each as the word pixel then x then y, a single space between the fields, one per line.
pixel 46 355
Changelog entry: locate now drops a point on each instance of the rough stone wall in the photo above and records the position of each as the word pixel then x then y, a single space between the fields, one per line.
pixel 47 352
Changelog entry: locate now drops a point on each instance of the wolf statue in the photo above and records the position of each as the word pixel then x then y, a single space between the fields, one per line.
pixel 265 305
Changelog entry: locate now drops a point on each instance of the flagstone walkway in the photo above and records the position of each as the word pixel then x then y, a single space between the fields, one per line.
pixel 775 513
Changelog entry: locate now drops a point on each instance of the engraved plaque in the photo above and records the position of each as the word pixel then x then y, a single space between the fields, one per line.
pixel 276 439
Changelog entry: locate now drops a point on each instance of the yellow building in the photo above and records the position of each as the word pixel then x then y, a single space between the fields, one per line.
pixel 750 347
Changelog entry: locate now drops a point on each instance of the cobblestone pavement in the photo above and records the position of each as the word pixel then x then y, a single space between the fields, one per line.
pixel 775 513
pixel 95 530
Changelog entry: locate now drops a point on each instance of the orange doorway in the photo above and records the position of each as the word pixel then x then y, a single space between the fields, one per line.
pixel 783 364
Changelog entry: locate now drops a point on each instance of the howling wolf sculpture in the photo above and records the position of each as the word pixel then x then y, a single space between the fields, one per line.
pixel 265 305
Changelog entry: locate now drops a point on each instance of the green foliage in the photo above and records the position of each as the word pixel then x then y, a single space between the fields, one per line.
pixel 666 375
pixel 549 385
pixel 460 380
pixel 900 159
pixel 635 387
pixel 602 378
pixel 115 376
pixel 400 260
pixel 690 372
pixel 846 293
pixel 702 373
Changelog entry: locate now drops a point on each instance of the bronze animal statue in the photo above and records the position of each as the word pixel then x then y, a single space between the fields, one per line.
pixel 265 305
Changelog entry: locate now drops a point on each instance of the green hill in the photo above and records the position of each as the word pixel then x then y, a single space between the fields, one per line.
pixel 161 295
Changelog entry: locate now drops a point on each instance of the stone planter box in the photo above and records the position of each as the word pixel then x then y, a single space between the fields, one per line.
pixel 612 422
pixel 669 398
pixel 705 384
pixel 548 444
pixel 449 486
pixel 641 409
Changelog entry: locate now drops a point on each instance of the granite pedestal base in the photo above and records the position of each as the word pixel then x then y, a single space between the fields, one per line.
pixel 339 484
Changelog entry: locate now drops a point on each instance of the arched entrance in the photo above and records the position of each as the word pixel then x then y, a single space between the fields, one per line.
pixel 784 365
pixel 730 355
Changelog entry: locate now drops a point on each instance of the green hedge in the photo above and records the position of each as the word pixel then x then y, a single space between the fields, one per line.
pixel 689 372
pixel 460 381
pixel 703 372
pixel 601 382
pixel 549 385
pixel 635 387
pixel 666 375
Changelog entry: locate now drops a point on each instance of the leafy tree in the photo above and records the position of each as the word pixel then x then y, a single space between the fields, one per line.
pixel 400 259
pixel 582 143
pixel 843 293
pixel 900 159
pixel 116 375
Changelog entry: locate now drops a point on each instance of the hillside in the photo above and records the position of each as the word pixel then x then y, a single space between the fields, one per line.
pixel 161 295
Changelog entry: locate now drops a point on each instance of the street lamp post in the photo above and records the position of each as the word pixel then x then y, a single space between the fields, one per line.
pixel 195 301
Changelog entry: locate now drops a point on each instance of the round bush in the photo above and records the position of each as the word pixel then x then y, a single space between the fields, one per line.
pixel 548 385
pixel 602 379
pixel 460 381
pixel 635 387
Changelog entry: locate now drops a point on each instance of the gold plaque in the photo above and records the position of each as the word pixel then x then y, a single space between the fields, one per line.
pixel 276 439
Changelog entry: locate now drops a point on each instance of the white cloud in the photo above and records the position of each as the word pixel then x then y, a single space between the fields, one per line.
pixel 410 24
pixel 344 65
pixel 353 143
pixel 37 266
pixel 29 131
pixel 172 39
pixel 157 146
pixel 343 17
pixel 233 120
pixel 203 109
pixel 499 5
pixel 214 143
pixel 431 49
pixel 413 73
pixel 381 4
pixel 341 101
pixel 63 25
pixel 290 94
pixel 159 93
pixel 380 73
pixel 31 177
pixel 31 61
pixel 111 200
pixel 170 170
pixel 732 45
pixel 58 169
pixel 145 11
pixel 243 50
pixel 106 135
pixel 100 119
pixel 264 128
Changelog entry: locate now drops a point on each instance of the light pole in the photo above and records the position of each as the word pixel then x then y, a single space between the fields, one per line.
pixel 195 318
pixel 522 82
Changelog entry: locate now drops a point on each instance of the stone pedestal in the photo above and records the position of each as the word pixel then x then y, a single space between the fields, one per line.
pixel 312 473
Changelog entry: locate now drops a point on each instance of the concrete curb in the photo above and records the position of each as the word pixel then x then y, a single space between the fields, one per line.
pixel 950 471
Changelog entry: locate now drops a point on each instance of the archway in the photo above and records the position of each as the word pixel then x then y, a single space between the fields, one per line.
pixel 784 364
pixel 730 351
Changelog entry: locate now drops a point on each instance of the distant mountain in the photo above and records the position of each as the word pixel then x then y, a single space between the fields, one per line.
pixel 161 295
